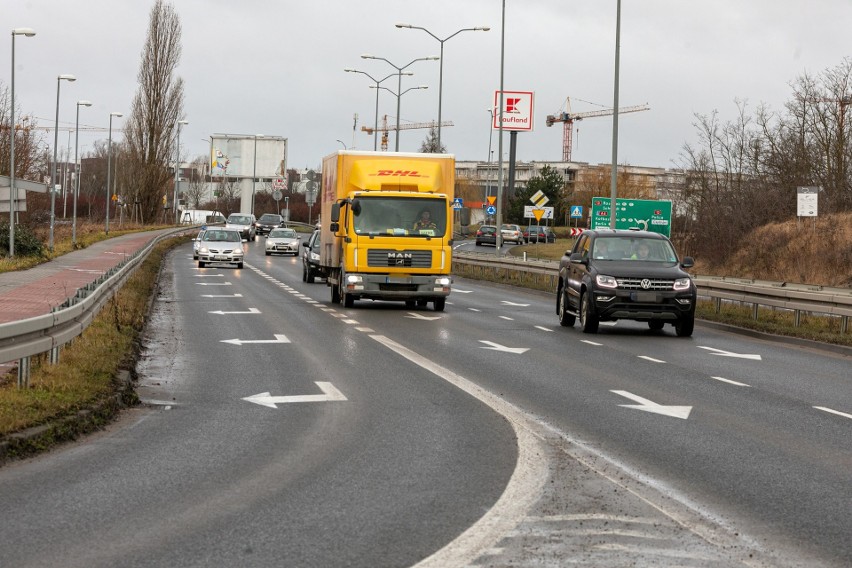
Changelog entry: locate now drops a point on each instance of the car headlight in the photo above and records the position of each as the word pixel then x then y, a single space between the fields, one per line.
pixel 315 256
pixel 606 281
pixel 205 250
pixel 682 284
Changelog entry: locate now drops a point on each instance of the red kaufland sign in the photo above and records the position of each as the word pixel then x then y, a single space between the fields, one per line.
pixel 517 110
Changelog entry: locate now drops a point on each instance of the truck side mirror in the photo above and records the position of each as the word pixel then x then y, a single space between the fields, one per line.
pixel 334 227
pixel 335 212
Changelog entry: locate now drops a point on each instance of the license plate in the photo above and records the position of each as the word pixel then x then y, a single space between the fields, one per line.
pixel 392 280
pixel 648 297
pixel 220 257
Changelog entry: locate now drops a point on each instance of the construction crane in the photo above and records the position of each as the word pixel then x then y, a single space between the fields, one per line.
pixel 568 118
pixel 384 128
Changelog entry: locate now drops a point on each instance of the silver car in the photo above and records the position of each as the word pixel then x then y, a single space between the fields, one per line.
pixel 221 245
pixel 283 241
pixel 245 223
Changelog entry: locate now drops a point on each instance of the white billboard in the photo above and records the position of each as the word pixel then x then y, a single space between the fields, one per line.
pixel 247 156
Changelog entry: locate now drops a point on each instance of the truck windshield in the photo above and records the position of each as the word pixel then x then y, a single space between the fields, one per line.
pixel 401 217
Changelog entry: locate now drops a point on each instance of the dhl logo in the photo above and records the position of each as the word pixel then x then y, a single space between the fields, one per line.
pixel 403 173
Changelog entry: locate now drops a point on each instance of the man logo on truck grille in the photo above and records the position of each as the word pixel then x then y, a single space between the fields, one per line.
pixel 399 258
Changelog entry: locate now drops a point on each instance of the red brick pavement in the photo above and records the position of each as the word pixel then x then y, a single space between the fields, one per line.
pixel 30 293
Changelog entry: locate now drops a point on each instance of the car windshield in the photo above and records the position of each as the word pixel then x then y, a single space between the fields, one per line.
pixel 270 218
pixel 239 220
pixel 225 236
pixel 282 233
pixel 634 249
pixel 400 217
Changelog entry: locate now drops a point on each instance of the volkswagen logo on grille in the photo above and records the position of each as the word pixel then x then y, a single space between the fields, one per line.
pixel 645 284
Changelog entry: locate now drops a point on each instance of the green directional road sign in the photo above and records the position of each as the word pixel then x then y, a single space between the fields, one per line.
pixel 644 214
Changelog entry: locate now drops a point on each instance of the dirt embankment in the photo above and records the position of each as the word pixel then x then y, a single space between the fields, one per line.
pixel 810 251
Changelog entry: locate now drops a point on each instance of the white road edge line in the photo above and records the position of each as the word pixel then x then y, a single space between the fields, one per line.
pixel 522 490
pixel 837 412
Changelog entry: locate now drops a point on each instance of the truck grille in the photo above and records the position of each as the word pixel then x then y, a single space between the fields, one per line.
pixel 404 258
pixel 649 284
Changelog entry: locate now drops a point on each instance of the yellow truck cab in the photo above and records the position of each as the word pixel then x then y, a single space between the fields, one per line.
pixel 387 226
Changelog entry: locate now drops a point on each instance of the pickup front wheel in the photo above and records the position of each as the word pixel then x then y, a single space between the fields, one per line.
pixel 588 320
pixel 565 319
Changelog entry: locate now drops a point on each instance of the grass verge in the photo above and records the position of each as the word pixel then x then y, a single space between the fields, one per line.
pixel 87 378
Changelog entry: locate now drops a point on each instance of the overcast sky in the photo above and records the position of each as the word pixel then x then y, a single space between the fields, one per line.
pixel 275 67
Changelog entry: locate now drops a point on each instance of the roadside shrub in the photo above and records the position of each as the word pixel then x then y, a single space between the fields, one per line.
pixel 26 242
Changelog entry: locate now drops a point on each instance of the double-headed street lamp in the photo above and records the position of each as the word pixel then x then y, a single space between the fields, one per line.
pixel 109 166
pixel 177 168
pixel 399 83
pixel 59 79
pixel 441 71
pixel 76 173
pixel 378 83
pixel 29 32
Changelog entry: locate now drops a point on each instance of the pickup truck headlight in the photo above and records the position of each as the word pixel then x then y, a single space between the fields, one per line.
pixel 682 284
pixel 606 281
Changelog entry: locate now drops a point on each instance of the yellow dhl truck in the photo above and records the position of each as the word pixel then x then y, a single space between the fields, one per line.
pixel 387 226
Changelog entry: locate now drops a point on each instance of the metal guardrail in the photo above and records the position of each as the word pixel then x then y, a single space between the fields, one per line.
pixel 797 298
pixel 23 339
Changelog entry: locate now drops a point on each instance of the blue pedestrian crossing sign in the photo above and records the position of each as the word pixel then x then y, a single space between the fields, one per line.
pixel 458 203
pixel 491 210
pixel 576 211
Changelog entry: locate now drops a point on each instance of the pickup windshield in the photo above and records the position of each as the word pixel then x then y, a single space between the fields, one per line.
pixel 400 217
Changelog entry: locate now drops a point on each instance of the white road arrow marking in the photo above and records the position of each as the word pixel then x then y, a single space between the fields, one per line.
pixel 649 406
pixel 498 347
pixel 415 315
pixel 330 394
pixel 250 311
pixel 221 295
pixel 508 303
pixel 279 338
pixel 213 283
pixel 731 354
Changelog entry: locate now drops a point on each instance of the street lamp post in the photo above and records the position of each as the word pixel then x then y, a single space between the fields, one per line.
pixel 441 69
pixel 177 168
pixel 254 171
pixel 378 83
pixel 59 79
pixel 399 83
pixel 76 173
pixel 287 207
pixel 109 166
pixel 12 193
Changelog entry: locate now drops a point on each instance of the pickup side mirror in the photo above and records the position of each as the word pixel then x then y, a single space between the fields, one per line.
pixel 578 258
pixel 687 262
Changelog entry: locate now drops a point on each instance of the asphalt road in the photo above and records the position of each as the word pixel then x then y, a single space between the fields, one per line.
pixel 483 435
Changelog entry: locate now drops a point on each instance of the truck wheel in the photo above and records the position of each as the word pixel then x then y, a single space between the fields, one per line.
pixel 439 304
pixel 335 294
pixel 685 325
pixel 565 319
pixel 588 321
pixel 348 300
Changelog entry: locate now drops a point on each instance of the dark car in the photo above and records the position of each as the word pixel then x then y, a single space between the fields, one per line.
pixel 267 222
pixel 311 259
pixel 539 234
pixel 619 274
pixel 486 235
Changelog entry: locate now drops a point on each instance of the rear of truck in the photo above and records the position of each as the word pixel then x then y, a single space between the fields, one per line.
pixel 375 244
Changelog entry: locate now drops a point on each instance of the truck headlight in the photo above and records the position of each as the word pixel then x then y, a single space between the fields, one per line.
pixel 353 279
pixel 444 281
pixel 606 281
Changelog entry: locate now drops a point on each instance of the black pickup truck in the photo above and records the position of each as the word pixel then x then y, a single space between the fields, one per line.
pixel 623 274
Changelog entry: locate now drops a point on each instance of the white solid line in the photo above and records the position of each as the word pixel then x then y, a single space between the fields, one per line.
pixel 729 381
pixel 474 310
pixel 837 412
pixel 506 318
pixel 542 328
pixel 651 359
pixel 591 342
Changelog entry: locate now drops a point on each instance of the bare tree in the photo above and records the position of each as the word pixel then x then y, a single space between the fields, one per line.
pixel 158 105
pixel 195 193
pixel 28 157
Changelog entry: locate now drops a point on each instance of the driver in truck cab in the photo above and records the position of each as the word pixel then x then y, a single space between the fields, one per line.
pixel 425 222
